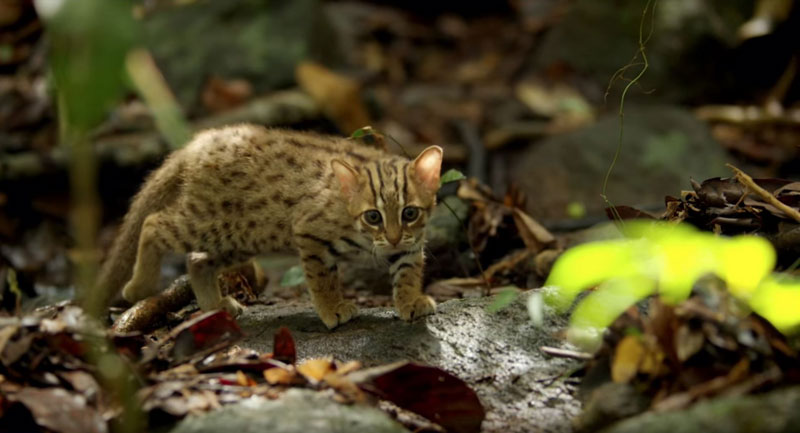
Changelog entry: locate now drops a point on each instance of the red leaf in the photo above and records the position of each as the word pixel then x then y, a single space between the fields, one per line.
pixel 207 332
pixel 66 343
pixel 283 347
pixel 432 393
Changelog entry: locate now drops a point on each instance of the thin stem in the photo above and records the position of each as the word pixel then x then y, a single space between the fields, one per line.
pixel 645 64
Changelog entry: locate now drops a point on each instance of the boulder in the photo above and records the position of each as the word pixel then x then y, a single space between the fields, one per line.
pixel 260 41
pixel 772 412
pixel 296 411
pixel 663 147
pixel 691 42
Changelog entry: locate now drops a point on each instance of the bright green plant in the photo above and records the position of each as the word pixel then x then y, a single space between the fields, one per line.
pixel 667 260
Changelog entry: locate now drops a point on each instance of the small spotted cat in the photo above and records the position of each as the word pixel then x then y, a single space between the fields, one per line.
pixel 239 191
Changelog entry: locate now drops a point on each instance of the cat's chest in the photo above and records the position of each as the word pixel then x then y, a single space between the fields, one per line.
pixel 350 247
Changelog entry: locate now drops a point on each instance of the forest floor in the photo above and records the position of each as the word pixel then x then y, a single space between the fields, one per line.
pixel 519 105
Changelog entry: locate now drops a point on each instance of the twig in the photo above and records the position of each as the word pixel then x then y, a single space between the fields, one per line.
pixel 566 353
pixel 748 182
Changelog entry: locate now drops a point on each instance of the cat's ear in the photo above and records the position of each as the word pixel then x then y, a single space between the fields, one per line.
pixel 348 178
pixel 427 168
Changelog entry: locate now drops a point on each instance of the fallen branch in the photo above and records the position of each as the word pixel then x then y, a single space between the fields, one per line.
pixel 748 182
pixel 566 353
pixel 279 108
pixel 151 313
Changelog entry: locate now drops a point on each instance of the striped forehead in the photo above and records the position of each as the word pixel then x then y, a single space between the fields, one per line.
pixel 387 182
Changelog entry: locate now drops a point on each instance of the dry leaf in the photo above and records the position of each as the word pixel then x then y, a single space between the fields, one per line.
pixel 427 391
pixel 220 94
pixel 348 367
pixel 280 376
pixel 535 236
pixel 652 362
pixel 243 379
pixel 507 263
pixel 316 369
pixel 688 342
pixel 339 96
pixel 627 357
pixel 5 334
pixel 60 411
pixel 283 348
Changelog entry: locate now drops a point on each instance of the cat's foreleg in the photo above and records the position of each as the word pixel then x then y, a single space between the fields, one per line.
pixel 322 278
pixel 406 273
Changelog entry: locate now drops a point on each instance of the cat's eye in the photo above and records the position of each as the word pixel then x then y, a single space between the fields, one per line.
pixel 372 217
pixel 410 213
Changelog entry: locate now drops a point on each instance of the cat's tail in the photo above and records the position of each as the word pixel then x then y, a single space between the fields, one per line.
pixel 160 189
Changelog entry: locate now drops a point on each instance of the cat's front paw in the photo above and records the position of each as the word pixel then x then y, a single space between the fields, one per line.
pixel 232 306
pixel 422 305
pixel 339 315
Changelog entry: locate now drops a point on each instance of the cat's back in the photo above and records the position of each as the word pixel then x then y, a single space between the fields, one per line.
pixel 249 162
pixel 247 145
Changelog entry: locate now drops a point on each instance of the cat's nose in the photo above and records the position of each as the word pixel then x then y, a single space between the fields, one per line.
pixel 393 239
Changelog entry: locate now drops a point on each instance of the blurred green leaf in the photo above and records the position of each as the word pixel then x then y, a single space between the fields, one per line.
pixel 503 299
pixel 451 175
pixel 576 210
pixel 667 259
pixel 778 300
pixel 360 132
pixel 89 40
pixel 293 276
pixel 153 87
pixel 13 287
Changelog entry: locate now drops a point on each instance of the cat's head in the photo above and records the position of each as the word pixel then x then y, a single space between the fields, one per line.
pixel 391 198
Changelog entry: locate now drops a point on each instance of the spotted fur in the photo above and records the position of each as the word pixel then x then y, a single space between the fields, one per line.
pixel 237 192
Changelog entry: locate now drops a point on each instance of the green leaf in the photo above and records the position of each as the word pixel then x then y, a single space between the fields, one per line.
pixel 669 259
pixel 777 299
pixel 360 132
pixel 88 41
pixel 503 299
pixel 451 175
pixel 293 276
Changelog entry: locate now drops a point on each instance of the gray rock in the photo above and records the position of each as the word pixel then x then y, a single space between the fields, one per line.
pixel 662 148
pixel 296 411
pixel 773 412
pixel 258 40
pixel 496 354
pixel 689 43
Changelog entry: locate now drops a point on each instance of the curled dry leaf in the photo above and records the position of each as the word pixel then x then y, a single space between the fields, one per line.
pixel 428 391
pixel 208 332
pixel 283 348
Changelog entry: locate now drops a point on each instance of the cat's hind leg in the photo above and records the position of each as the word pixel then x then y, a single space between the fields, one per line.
pixel 153 243
pixel 203 271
